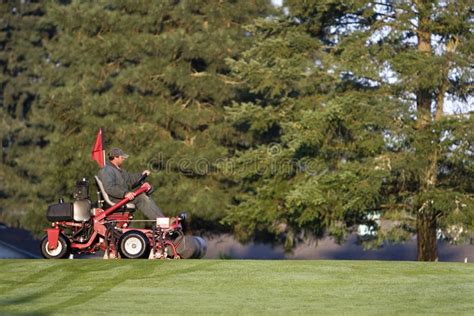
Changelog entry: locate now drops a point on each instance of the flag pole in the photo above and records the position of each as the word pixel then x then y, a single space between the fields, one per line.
pixel 103 150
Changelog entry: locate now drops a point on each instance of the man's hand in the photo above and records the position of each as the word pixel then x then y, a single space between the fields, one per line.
pixel 147 172
pixel 130 196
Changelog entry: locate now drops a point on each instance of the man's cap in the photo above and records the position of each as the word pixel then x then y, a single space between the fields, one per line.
pixel 116 152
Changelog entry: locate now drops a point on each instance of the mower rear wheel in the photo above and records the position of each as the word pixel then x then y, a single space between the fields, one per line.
pixel 134 245
pixel 61 251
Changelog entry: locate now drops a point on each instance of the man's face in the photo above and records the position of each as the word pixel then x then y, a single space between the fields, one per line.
pixel 119 160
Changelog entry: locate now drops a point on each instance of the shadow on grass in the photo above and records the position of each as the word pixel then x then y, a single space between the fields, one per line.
pixel 132 273
pixel 31 278
pixel 57 287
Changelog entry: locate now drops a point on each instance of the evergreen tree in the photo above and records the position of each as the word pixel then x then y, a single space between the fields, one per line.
pixel 334 85
pixel 23 129
pixel 421 53
pixel 153 75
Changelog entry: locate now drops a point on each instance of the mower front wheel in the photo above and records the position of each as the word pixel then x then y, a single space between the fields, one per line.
pixel 61 251
pixel 134 245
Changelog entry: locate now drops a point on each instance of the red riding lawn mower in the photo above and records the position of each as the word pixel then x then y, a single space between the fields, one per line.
pixel 78 227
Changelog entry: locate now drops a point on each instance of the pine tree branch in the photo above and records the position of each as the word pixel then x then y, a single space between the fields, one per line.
pixel 386 15
pixel 382 4
pixel 185 104
pixel 228 81
pixel 395 206
pixel 360 22
pixel 394 17
pixel 222 77
pixel 200 74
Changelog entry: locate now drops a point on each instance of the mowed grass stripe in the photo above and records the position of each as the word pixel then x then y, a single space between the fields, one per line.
pixel 87 287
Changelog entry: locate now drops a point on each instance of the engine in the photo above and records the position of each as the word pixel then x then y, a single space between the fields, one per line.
pixel 77 211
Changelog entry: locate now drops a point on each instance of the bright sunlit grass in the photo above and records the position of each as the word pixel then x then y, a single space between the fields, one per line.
pixel 234 287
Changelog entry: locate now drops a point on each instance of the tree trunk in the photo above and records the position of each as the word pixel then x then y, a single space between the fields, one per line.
pixel 426 223
pixel 426 237
pixel 425 220
pixel 423 95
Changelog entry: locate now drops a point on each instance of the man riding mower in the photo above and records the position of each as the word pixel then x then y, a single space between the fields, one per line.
pixel 77 227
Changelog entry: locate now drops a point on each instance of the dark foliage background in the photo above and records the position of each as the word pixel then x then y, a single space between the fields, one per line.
pixel 278 124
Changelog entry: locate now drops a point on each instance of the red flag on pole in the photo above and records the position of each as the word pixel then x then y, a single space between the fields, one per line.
pixel 98 153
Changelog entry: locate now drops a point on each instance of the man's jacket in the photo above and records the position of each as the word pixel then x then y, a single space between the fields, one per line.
pixel 117 182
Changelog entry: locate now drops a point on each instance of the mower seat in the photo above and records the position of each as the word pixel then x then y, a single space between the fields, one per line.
pixel 128 206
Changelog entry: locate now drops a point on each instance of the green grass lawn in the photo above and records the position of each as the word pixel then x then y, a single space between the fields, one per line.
pixel 191 287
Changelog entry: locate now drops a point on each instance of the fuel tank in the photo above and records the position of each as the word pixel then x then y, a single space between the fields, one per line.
pixel 81 210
